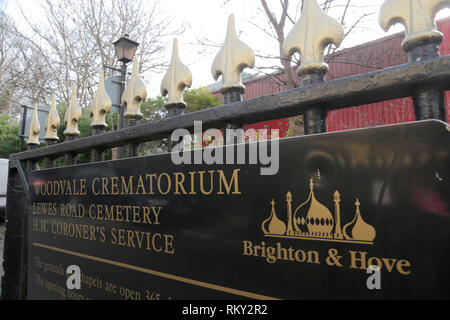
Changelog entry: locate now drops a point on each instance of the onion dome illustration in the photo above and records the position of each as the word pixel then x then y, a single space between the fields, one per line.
pixel 318 220
pixel 358 229
pixel 299 218
pixel 275 225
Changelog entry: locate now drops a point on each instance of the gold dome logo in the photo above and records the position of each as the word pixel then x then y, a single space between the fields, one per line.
pixel 313 221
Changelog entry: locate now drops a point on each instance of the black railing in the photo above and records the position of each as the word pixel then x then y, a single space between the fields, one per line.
pixel 424 80
pixel 391 83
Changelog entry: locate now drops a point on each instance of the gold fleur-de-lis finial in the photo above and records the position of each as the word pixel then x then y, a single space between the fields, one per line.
pixel 100 106
pixel 52 124
pixel 72 116
pixel 418 18
pixel 232 59
pixel 35 128
pixel 176 79
pixel 134 94
pixel 312 33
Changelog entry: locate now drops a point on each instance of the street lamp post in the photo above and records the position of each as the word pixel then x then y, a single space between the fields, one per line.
pixel 125 51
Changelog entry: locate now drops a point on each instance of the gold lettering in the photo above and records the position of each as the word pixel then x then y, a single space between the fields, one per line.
pixel 156 214
pixel 93 186
pixel 202 189
pixel 140 186
pixel 91 215
pixel 75 192
pixel 130 238
pixel 169 244
pixel 69 189
pixel 248 248
pixel 151 176
pixel 82 187
pixel 99 212
pixel 105 186
pixel 127 213
pixel 169 183
pixel 403 264
pixel 136 216
pixel 234 181
pixel 119 215
pixel 354 260
pixel 192 174
pixel 127 188
pixel 153 242
pixel 109 213
pixel 114 186
pixel 146 215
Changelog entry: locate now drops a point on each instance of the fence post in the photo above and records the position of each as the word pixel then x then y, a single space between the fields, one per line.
pixel 421 43
pixel 313 32
pixel 100 106
pixel 14 284
pixel 51 129
pixel 134 94
pixel 231 60
pixel 14 279
pixel 71 119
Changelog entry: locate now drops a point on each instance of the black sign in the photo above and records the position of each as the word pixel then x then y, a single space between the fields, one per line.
pixel 145 228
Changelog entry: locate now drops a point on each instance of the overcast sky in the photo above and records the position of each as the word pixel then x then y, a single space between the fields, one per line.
pixel 207 20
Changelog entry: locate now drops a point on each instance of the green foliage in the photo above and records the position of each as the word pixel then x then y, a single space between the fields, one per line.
pixel 9 136
pixel 198 99
pixel 153 110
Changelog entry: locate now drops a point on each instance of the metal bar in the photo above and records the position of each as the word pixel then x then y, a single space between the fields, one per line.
pixel 14 280
pixel 123 79
pixel 23 179
pixel 22 135
pixel 132 149
pixel 70 157
pixel 392 83
pixel 98 154
pixel 31 163
pixel 174 110
pixel 48 161
pixel 429 101
pixel 39 109
pixel 233 95
pixel 315 118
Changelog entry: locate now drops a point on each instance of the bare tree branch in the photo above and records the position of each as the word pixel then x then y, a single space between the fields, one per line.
pixel 73 42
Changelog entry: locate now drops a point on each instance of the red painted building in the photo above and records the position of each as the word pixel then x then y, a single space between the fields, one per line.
pixel 368 57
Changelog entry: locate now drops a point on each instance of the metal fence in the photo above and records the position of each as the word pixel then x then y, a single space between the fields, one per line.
pixel 424 78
